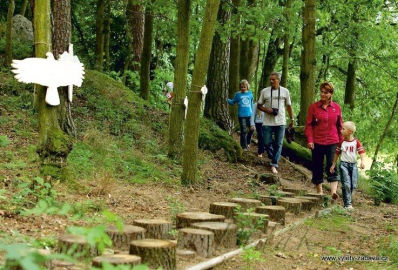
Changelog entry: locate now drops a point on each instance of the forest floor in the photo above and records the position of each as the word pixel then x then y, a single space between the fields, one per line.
pixel 154 191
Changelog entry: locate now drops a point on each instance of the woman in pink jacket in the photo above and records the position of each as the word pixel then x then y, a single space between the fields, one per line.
pixel 323 131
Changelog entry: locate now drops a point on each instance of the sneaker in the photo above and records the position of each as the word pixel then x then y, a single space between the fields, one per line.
pixel 349 208
pixel 260 155
pixel 245 149
pixel 335 196
pixel 273 170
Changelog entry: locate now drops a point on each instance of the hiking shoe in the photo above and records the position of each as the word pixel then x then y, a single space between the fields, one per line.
pixel 349 208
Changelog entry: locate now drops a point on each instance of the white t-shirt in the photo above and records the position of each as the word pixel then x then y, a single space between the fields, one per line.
pixel 349 150
pixel 284 100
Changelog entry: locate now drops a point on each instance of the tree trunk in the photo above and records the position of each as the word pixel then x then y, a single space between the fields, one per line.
pixel 216 107
pixel 349 95
pixel 107 35
pixel 8 50
pixel 146 53
pixel 53 144
pixel 99 44
pixel 388 124
pixel 190 152
pixel 180 79
pixel 24 7
pixel 157 254
pixel 62 35
pixel 248 51
pixel 234 63
pixel 271 58
pixel 286 43
pixel 308 60
pixel 135 29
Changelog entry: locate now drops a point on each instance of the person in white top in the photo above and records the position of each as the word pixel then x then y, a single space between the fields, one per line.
pixel 348 150
pixel 272 101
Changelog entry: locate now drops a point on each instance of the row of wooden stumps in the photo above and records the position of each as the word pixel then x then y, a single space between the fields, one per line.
pixel 148 241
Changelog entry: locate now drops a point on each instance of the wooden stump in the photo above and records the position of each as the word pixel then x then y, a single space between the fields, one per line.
pixel 121 240
pixel 225 234
pixel 227 209
pixel 297 191
pixel 246 203
pixel 315 201
pixel 187 218
pixel 273 226
pixel 155 228
pixel 255 220
pixel 268 200
pixel 118 259
pixel 306 204
pixel 276 212
pixel 186 253
pixel 291 205
pixel 77 245
pixel 154 252
pixel 284 194
pixel 200 241
pixel 322 197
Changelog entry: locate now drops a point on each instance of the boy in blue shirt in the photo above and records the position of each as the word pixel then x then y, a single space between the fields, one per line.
pixel 244 99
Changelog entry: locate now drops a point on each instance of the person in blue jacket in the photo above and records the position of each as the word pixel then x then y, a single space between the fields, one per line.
pixel 256 121
pixel 244 99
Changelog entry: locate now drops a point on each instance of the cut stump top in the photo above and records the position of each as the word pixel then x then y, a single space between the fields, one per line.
pixel 227 204
pixel 196 231
pixel 71 238
pixel 126 229
pixel 272 207
pixel 218 226
pixel 152 243
pixel 244 200
pixel 152 221
pixel 118 259
pixel 199 216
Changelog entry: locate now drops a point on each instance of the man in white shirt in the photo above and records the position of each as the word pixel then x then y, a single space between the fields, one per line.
pixel 273 104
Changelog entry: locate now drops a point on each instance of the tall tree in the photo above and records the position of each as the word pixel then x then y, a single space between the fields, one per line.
pixel 234 61
pixel 286 42
pixel 308 60
pixel 99 30
pixel 190 152
pixel 53 143
pixel 24 7
pixel 8 51
pixel 62 35
pixel 135 31
pixel 216 107
pixel 180 78
pixel 146 53
pixel 107 35
pixel 248 49
pixel 271 58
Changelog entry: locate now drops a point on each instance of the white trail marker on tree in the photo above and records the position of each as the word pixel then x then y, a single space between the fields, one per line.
pixel 66 71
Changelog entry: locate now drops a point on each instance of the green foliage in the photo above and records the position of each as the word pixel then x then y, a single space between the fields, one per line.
pixel 337 220
pixel 175 207
pixel 251 256
pixel 4 141
pixel 384 184
pixel 247 225
pixel 213 138
pixel 20 49
pixel 388 246
pixel 95 236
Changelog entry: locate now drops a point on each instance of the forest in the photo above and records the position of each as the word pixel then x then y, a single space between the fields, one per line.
pixel 139 163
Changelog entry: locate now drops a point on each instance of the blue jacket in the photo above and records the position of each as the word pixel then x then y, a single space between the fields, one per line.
pixel 245 103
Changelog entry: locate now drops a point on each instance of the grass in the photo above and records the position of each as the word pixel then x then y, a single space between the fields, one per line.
pixel 338 220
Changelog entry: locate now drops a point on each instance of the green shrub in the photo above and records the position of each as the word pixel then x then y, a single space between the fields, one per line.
pixel 4 141
pixel 20 49
pixel 384 185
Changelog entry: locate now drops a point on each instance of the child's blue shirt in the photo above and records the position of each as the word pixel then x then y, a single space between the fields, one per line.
pixel 245 103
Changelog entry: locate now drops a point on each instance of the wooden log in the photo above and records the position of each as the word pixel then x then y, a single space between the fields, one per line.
pixel 226 209
pixel 291 205
pixel 185 253
pixel 155 253
pixel 306 204
pixel 200 241
pixel 155 228
pixel 268 200
pixel 315 201
pixel 77 245
pixel 116 259
pixel 121 240
pixel 246 203
pixel 258 219
pixel 322 197
pixel 187 218
pixel 285 194
pixel 276 212
pixel 297 153
pixel 225 234
pixel 296 191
